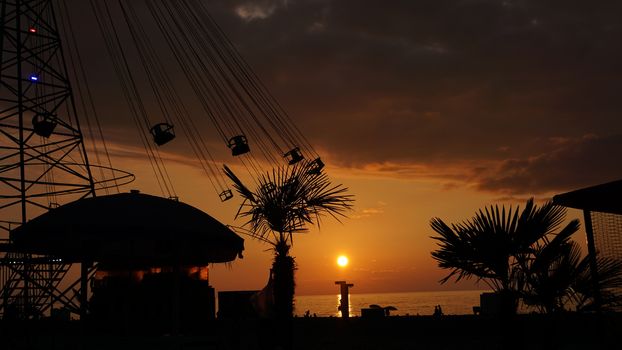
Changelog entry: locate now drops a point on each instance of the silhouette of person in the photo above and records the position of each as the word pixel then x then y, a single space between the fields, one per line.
pixel 438 311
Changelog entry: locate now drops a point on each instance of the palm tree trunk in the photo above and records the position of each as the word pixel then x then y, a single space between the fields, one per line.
pixel 283 268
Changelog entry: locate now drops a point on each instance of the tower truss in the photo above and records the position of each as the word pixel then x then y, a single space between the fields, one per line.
pixel 41 150
pixel 43 162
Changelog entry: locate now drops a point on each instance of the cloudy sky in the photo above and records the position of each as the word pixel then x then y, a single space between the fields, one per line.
pixel 519 97
pixel 422 108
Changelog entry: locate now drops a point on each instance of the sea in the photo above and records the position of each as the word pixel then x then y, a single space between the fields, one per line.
pixel 407 304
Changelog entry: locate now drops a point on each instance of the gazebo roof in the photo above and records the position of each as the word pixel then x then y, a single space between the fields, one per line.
pixel 130 229
pixel 605 198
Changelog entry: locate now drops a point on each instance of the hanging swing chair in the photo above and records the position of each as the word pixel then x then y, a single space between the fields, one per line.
pixel 315 167
pixel 225 195
pixel 44 124
pixel 268 187
pixel 239 145
pixel 162 133
pixel 290 185
pixel 294 156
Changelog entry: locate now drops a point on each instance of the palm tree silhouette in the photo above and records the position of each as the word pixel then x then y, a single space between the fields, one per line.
pixel 560 280
pixel 551 272
pixel 609 285
pixel 496 245
pixel 524 255
pixel 285 202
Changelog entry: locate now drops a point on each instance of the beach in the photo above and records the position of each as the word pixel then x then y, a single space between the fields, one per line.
pixel 565 331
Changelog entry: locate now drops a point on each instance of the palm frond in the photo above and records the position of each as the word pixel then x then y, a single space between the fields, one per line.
pixel 238 185
pixel 458 253
pixel 288 199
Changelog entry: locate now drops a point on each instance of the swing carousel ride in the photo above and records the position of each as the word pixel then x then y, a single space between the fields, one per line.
pixel 183 82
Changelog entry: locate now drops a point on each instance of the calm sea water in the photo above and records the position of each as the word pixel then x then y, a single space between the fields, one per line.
pixel 414 303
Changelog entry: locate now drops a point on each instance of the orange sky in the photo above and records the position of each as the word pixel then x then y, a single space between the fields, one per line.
pixel 421 108
pixel 386 236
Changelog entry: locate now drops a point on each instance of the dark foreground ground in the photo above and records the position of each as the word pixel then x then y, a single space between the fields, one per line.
pixel 532 332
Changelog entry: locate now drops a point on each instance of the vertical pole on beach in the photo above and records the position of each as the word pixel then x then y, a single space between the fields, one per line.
pixel 344 306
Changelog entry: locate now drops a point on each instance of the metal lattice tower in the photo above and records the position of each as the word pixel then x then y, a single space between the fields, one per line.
pixel 43 162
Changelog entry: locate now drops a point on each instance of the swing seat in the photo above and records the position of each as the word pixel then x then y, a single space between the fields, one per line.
pixel 238 145
pixel 294 156
pixel 290 185
pixel 268 187
pixel 315 167
pixel 225 195
pixel 162 133
pixel 44 124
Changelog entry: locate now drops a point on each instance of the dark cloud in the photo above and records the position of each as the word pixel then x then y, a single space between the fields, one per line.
pixel 429 82
pixel 434 83
pixel 569 164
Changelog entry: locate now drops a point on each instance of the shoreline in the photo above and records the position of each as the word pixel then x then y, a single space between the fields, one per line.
pixel 352 292
pixel 405 303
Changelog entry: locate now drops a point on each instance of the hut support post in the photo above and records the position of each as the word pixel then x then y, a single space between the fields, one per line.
pixel 84 289
pixel 591 248
pixel 176 299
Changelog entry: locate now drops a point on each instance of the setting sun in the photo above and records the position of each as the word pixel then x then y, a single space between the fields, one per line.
pixel 342 261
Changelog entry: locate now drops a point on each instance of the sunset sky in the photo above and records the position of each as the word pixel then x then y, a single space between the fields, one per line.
pixel 421 108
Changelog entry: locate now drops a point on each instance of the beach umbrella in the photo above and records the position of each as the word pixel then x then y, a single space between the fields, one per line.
pixel 129 229
pixel 387 309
